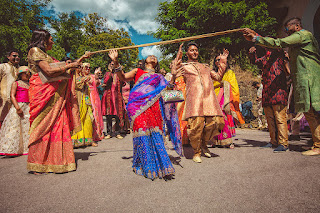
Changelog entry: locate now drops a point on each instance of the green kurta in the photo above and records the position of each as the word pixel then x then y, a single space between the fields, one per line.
pixel 304 66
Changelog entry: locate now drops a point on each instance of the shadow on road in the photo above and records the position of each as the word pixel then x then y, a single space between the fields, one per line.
pixel 296 146
pixel 175 160
pixel 253 143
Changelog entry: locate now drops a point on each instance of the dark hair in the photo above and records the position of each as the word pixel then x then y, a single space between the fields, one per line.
pixel 191 44
pixel 12 51
pixel 39 39
pixel 255 83
pixel 157 68
pixel 296 19
pixel 19 76
pixel 140 61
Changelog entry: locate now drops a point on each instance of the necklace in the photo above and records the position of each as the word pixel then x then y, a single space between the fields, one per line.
pixel 150 70
pixel 24 84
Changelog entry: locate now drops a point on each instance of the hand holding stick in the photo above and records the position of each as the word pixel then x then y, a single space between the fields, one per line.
pixel 248 34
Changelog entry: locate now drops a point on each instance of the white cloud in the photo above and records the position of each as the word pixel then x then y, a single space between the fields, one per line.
pixel 117 25
pixel 146 51
pixel 139 14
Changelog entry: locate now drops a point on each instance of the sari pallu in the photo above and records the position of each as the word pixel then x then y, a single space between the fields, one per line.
pixel 54 116
pixel 225 98
pixel 181 85
pixel 84 137
pixel 147 118
pixel 97 134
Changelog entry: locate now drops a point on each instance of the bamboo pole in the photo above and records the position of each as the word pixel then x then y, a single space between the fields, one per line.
pixel 172 41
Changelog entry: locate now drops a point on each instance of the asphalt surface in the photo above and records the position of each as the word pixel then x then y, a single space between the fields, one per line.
pixel 244 179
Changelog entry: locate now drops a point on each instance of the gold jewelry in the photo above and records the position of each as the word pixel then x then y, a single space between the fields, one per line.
pixel 150 70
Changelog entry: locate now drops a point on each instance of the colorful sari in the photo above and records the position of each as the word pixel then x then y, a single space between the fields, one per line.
pixel 181 85
pixel 225 98
pixel 53 116
pixel 230 77
pixel 84 137
pixel 147 118
pixel 97 113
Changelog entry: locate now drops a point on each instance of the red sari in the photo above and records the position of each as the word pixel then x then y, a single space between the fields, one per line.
pixel 54 114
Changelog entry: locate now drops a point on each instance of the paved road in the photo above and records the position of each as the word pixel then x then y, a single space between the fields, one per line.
pixel 245 179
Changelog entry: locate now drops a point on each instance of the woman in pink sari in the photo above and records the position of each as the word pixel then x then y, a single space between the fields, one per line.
pixel 54 113
pixel 97 124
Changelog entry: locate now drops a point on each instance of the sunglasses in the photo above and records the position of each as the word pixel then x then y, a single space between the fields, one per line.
pixel 216 60
pixel 15 56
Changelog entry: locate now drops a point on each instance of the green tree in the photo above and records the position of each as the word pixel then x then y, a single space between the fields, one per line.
pixel 57 52
pixel 17 20
pixel 106 40
pixel 68 35
pixel 99 37
pixel 94 24
pixel 183 18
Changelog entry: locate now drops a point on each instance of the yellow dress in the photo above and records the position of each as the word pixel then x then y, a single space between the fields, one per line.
pixel 230 77
pixel 84 137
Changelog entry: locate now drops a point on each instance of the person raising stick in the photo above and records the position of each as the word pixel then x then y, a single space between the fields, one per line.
pixel 305 72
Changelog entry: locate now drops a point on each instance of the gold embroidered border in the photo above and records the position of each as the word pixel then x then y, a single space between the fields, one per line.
pixel 51 168
pixel 155 174
pixel 147 132
pixel 48 106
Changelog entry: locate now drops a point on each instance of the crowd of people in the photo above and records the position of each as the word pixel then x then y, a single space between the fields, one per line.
pixel 48 108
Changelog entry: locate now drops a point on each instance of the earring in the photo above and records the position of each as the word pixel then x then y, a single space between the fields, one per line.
pixel 45 45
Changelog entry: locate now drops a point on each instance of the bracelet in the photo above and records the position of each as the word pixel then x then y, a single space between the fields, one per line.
pixel 118 69
pixel 255 39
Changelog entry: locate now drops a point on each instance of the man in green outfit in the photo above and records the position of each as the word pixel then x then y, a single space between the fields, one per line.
pixel 305 72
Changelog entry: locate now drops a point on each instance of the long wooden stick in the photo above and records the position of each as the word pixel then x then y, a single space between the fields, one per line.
pixel 172 41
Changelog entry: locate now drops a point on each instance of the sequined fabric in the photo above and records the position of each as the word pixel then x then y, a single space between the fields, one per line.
pixel 224 97
pixel 147 117
pixel 201 99
pixel 54 114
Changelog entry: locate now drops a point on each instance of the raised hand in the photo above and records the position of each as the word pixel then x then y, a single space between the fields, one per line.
pixel 180 52
pixel 252 49
pixel 175 65
pixel 248 34
pixel 113 54
pixel 88 54
pixel 224 56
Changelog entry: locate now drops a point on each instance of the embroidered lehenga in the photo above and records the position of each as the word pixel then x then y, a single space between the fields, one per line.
pixel 147 117
pixel 227 92
pixel 84 137
pixel 53 116
pixel 14 133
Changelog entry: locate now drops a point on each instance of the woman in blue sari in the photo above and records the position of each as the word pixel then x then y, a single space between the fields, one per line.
pixel 148 117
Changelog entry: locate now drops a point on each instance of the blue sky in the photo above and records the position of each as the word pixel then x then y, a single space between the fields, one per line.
pixel 135 16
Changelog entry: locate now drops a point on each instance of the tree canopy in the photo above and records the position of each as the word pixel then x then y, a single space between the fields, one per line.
pixel 183 18
pixel 73 33
pixel 76 35
pixel 17 19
